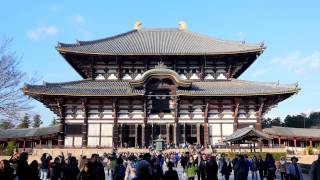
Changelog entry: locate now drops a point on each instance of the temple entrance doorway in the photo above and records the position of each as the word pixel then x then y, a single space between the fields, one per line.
pixel 130 136
pixel 191 133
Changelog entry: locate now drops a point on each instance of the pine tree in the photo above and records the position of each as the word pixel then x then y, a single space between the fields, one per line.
pixel 54 122
pixel 36 121
pixel 6 124
pixel 25 122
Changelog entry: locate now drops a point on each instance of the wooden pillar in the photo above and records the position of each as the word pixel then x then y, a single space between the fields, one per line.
pixel 24 144
pixel 235 114
pixel 184 133
pixel 198 133
pixel 310 142
pixel 206 125
pixel 168 133
pixel 115 134
pixel 295 142
pixel 61 134
pixel 175 129
pixel 85 123
pixel 176 132
pixel 121 135
pixel 279 140
pixel 40 142
pixel 136 136
pixel 206 134
pixel 259 115
pixel 143 135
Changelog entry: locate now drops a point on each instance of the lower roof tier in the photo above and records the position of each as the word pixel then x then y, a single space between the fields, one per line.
pixel 231 87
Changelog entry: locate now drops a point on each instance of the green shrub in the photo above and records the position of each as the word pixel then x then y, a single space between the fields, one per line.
pixel 309 150
pixel 11 147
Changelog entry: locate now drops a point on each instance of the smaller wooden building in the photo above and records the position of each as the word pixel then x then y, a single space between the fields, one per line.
pixel 293 137
pixel 31 137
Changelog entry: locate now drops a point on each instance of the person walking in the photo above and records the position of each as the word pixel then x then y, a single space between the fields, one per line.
pixel 6 171
pixel 34 171
pixel 97 168
pixel 191 169
pixel 241 169
pixel 261 166
pixel 44 169
pixel 212 168
pixel 131 168
pixel 315 169
pixel 294 170
pixel 254 167
pixel 23 168
pixel 270 166
pixel 283 168
pixel 171 174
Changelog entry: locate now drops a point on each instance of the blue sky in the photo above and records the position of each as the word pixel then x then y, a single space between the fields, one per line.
pixel 290 30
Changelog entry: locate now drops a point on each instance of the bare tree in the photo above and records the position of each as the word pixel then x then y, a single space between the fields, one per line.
pixel 13 103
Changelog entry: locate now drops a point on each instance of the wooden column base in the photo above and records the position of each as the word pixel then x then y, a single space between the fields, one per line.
pixel 206 134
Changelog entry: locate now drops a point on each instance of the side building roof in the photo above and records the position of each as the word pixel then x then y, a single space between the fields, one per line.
pixel 159 42
pixel 28 132
pixel 293 132
pixel 231 87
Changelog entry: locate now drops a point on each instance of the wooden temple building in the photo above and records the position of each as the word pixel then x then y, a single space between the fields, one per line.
pixel 144 83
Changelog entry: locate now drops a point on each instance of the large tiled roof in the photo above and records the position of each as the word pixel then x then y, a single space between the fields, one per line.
pixel 159 42
pixel 240 134
pixel 231 87
pixel 293 132
pixel 28 132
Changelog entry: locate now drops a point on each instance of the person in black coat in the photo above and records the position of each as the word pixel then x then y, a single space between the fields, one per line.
pixel 261 166
pixel 23 168
pixel 71 170
pixel 212 169
pixel 226 169
pixel 34 170
pixel 6 172
pixel 56 169
pixel 241 169
pixel 171 174
pixel 97 168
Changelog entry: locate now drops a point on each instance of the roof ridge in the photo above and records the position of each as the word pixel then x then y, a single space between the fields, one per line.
pixel 79 42
pixel 12 129
pixel 264 83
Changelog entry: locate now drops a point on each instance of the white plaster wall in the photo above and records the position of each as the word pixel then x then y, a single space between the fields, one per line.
pixel 106 129
pixel 215 140
pixel 93 129
pixel 68 141
pixel 77 141
pixel 106 141
pixel 227 129
pixel 215 129
pixel 93 141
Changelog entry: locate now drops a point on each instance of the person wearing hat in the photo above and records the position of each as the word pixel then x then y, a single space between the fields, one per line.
pixel 315 169
pixel 294 170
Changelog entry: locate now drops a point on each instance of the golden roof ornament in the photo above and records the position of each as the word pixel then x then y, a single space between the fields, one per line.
pixel 182 25
pixel 137 25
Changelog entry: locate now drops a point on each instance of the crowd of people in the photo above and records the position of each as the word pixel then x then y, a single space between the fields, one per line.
pixel 150 166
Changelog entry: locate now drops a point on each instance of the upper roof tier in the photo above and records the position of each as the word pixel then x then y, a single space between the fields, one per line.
pixel 102 88
pixel 159 42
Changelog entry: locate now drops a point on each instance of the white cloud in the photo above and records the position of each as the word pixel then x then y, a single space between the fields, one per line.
pixel 299 64
pixel 42 32
pixel 78 20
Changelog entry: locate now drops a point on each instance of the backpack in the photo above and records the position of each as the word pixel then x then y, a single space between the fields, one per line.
pixel 122 171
